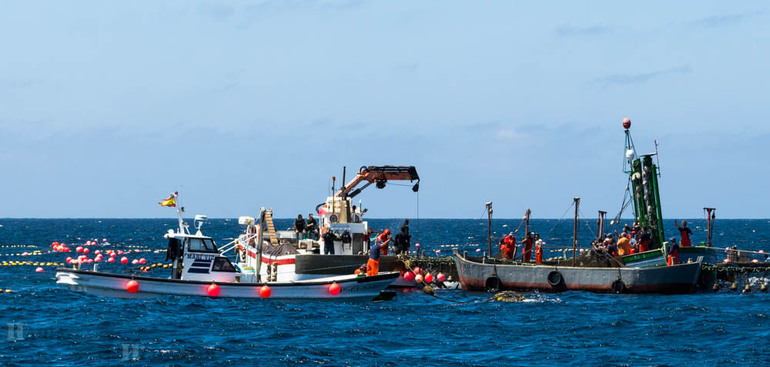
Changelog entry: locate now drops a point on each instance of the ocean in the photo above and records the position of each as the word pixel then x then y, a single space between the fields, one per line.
pixel 45 324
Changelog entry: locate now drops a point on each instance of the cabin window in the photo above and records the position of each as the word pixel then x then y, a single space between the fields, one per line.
pixel 201 245
pixel 222 264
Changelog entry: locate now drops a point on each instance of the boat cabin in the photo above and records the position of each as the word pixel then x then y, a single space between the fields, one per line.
pixel 196 256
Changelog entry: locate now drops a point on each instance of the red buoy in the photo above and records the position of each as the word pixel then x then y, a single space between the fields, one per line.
pixel 111 260
pixel 626 123
pixel 132 286
pixel 213 290
pixel 409 276
pixel 441 277
pixel 418 278
pixel 334 289
pixel 264 291
pixel 124 260
pixel 79 249
pixel 417 270
pixel 429 277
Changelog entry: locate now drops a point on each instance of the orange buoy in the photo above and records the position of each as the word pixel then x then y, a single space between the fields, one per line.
pixel 334 289
pixel 132 286
pixel 213 290
pixel 264 291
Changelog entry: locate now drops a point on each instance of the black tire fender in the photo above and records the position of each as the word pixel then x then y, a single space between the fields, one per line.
pixel 555 278
pixel 618 286
pixel 492 284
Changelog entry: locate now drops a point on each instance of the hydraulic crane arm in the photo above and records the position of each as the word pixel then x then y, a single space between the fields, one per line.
pixel 379 175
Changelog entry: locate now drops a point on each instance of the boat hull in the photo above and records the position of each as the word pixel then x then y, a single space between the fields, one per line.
pixel 477 276
pixel 708 255
pixel 114 285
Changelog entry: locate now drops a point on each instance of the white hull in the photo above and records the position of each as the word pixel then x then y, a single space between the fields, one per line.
pixel 114 285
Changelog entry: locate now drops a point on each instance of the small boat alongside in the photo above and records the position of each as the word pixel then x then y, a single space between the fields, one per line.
pixel 199 269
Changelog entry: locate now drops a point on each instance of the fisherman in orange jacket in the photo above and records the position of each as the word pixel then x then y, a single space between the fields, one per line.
pixel 538 249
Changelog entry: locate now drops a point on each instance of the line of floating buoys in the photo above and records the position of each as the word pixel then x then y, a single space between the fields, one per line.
pixel 16 246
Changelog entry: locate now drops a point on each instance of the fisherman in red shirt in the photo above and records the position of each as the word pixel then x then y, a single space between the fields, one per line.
pixel 383 240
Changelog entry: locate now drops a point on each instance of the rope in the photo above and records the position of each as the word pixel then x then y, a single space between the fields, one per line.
pixel 558 221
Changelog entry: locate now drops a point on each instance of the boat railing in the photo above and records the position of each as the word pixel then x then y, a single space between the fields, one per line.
pixel 232 244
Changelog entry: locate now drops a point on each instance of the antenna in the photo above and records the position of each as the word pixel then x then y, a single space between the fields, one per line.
pixel 657 159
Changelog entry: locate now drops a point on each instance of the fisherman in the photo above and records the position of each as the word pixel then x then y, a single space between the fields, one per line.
pixel 673 252
pixel 684 233
pixel 539 243
pixel 624 244
pixel 503 249
pixel 373 264
pixel 383 240
pixel 328 238
pixel 526 254
pixel 610 246
pixel 299 227
pixel 356 215
pixel 644 241
pixel 312 227
pixel 402 241
pixel 508 247
pixel 369 236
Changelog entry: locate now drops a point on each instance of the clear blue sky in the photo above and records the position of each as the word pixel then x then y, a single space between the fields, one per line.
pixel 106 107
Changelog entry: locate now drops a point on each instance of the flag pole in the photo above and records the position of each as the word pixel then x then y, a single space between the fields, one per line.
pixel 179 212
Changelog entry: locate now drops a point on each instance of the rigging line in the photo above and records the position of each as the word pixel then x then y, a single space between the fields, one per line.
pixel 624 204
pixel 588 225
pixel 558 221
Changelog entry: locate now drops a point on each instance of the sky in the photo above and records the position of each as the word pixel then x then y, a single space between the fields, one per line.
pixel 107 107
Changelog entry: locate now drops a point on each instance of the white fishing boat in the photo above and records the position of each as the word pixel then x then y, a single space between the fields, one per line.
pixel 288 257
pixel 199 269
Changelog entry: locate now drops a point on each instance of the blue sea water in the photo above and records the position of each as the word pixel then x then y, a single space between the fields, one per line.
pixel 45 324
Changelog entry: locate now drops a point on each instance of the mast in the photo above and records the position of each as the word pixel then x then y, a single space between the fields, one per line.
pixel 601 223
pixel 526 225
pixel 489 228
pixel 575 231
pixel 645 194
pixel 710 217
pixel 258 243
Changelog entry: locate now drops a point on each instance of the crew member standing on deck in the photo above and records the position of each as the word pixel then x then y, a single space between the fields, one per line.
pixel 539 243
pixel 373 264
pixel 312 227
pixel 526 254
pixel 673 252
pixel 328 238
pixel 685 233
pixel 299 227
pixel 402 241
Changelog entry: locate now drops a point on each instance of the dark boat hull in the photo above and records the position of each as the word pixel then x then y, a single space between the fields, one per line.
pixel 478 276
